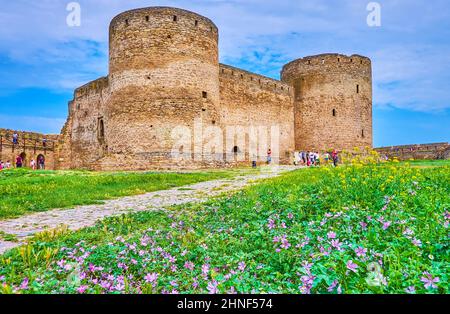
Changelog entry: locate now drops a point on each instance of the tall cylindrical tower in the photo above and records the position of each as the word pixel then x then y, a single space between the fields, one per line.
pixel 333 101
pixel 164 72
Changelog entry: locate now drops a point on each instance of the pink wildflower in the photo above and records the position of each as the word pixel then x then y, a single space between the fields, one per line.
pixel 212 287
pixel 352 266
pixel 360 251
pixel 151 278
pixel 429 281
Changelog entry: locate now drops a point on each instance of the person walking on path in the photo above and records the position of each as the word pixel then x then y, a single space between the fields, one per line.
pixel 269 156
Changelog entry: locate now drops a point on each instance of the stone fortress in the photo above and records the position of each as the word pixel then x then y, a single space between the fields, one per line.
pixel 164 72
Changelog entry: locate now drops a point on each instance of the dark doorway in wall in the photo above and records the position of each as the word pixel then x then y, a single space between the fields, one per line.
pixel 235 149
pixel 334 112
pixel 24 159
pixel 40 162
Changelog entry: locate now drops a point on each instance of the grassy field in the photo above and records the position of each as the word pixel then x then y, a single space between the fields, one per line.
pixel 429 163
pixel 24 191
pixel 361 229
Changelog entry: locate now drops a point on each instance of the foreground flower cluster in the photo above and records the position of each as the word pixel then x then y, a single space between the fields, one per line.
pixel 366 229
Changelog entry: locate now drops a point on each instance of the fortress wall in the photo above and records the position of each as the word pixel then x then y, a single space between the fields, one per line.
pixel 248 99
pixel 420 151
pixel 83 128
pixel 163 73
pixel 333 101
pixel 30 145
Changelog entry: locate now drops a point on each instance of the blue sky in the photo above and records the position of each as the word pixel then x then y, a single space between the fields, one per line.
pixel 42 59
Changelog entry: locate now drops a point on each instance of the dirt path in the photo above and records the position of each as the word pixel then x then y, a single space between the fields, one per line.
pixel 87 215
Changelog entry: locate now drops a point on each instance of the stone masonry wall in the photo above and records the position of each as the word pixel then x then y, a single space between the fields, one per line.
pixel 333 101
pixel 248 99
pixel 164 74
pixel 30 146
pixel 422 151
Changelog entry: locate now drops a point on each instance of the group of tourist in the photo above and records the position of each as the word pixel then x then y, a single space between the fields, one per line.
pixel 6 165
pixel 40 163
pixel 15 140
pixel 310 158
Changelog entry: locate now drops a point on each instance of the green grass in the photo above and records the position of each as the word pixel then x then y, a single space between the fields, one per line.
pixel 428 163
pixel 275 237
pixel 24 191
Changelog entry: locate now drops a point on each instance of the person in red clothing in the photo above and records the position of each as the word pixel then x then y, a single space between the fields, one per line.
pixel 19 162
pixel 334 156
pixel 269 156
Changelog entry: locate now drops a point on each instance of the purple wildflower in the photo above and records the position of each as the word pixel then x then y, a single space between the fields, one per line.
pixel 151 278
pixel 189 265
pixel 360 251
pixel 82 289
pixel 212 287
pixel 333 285
pixel 352 266
pixel 417 242
pixel 410 290
pixel 271 224
pixel 429 281
pixel 24 284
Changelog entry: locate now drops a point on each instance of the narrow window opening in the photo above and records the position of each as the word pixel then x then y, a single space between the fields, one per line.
pixel 235 149
pixel 127 22
pixel 196 23
pixel 309 61
pixel 175 18
pixel 213 122
pixel 334 112
pixel 357 89
pixel 101 130
pixel 205 94
pixel 147 18
pixel 242 76
pixel 362 133
pixel 339 59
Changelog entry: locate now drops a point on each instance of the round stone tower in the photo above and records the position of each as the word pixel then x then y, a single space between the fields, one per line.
pixel 333 101
pixel 164 72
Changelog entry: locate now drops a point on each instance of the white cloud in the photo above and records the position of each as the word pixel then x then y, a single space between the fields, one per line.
pixel 410 52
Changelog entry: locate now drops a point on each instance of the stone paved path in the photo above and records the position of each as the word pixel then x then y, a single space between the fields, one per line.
pixel 87 215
